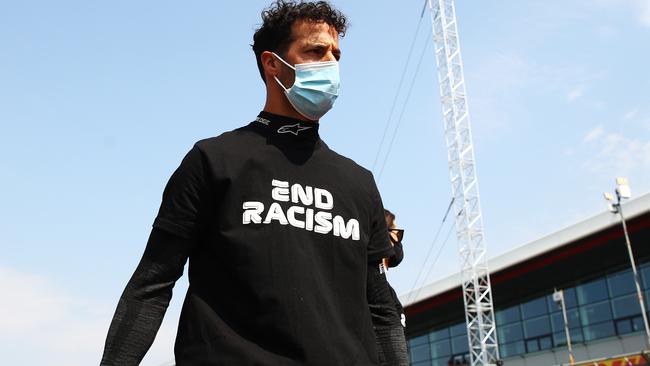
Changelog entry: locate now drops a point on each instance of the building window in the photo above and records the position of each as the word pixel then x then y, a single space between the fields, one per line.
pixel 460 344
pixel 621 283
pixel 595 313
pixel 626 306
pixel 629 325
pixel 645 275
pixel 418 340
pixel 597 331
pixel 440 349
pixel 534 308
pixel 508 315
pixel 439 334
pixel 557 320
pixel 510 333
pixel 458 329
pixel 512 349
pixel 440 362
pixel 570 300
pixel 420 353
pixel 591 292
pixel 537 327
pixel 559 338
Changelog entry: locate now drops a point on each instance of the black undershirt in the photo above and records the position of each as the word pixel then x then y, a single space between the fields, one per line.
pixel 284 238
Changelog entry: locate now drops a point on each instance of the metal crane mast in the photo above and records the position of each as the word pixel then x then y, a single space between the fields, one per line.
pixel 477 295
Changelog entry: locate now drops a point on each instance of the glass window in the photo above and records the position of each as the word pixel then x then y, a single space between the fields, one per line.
pixel 534 308
pixel 559 338
pixel 439 334
pixel 637 323
pixel 420 353
pixel 425 363
pixel 626 306
pixel 629 325
pixel 595 313
pixel 459 344
pixel 508 315
pixel 440 349
pixel 510 333
pixel 512 349
pixel 536 327
pixel 458 329
pixel 444 361
pixel 597 331
pixel 557 320
pixel 645 275
pixel 532 345
pixel 591 292
pixel 570 298
pixel 545 343
pixel 621 283
pixel 418 341
pixel 624 326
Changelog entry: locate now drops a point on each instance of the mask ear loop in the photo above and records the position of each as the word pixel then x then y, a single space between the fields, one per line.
pixel 284 62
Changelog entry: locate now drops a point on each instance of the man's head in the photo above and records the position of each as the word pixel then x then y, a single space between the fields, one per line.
pixel 299 33
pixel 287 22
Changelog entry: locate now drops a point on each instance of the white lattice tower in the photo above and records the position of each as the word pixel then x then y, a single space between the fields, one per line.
pixel 477 295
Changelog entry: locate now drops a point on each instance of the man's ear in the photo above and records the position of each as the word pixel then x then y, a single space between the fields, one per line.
pixel 270 64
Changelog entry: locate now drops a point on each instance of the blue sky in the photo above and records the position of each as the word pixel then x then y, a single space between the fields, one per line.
pixel 99 101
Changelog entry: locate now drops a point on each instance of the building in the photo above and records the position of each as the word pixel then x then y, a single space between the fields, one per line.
pixel 587 260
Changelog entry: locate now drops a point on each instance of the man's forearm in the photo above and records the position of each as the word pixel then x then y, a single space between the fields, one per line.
pixel 145 299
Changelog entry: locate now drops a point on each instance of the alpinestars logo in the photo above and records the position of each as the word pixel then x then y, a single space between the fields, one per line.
pixel 312 212
pixel 294 129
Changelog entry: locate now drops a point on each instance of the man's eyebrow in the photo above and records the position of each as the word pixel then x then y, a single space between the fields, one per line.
pixel 316 44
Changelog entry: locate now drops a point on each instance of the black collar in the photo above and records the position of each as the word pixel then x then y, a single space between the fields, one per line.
pixel 287 127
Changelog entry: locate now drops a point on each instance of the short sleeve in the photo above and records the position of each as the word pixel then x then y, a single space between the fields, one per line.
pixel 185 198
pixel 379 245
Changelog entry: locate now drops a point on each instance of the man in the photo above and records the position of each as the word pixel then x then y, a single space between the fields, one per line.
pixel 284 237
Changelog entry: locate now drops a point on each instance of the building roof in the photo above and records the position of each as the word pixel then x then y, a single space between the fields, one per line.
pixel 582 229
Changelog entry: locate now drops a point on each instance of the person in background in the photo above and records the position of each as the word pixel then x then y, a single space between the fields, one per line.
pixel 396 235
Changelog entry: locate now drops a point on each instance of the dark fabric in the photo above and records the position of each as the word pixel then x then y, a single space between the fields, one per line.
pixel 279 230
pixel 398 304
pixel 391 342
pixel 396 259
pixel 144 300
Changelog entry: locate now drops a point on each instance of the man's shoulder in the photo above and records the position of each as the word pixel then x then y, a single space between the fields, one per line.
pixel 350 165
pixel 227 139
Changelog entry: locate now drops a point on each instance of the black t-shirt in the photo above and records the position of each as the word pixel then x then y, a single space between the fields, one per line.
pixel 283 228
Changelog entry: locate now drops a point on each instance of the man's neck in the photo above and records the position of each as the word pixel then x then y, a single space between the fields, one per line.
pixel 281 107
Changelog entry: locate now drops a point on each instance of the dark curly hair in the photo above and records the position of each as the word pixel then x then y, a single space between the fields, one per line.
pixel 275 33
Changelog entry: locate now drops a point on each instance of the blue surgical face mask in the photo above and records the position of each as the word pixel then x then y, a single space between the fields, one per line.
pixel 315 88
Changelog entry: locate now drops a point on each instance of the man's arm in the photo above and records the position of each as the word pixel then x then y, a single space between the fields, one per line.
pixel 391 343
pixel 145 299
